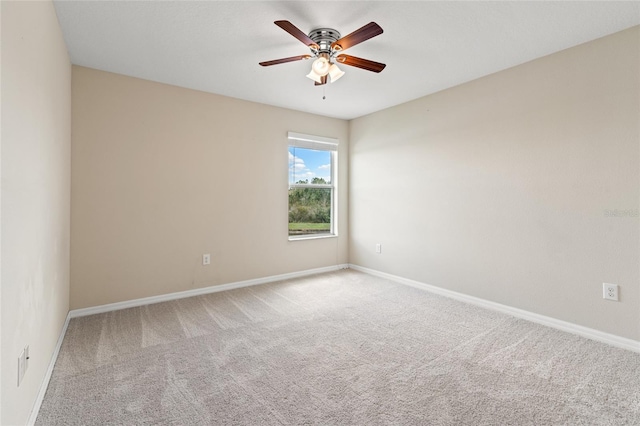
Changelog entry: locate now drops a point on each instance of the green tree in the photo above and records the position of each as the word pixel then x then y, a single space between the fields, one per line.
pixel 310 205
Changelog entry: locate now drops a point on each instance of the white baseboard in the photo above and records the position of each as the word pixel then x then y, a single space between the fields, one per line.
pixel 589 333
pixel 199 291
pixel 47 377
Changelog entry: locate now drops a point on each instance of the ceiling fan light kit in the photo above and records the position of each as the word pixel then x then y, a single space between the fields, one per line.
pixel 326 46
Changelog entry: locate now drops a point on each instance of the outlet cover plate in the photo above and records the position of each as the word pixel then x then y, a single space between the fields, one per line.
pixel 22 366
pixel 610 291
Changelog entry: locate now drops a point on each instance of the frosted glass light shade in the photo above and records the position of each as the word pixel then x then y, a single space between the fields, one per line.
pixel 315 77
pixel 335 73
pixel 321 66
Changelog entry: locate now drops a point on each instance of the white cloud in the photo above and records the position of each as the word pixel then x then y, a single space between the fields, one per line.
pixel 298 169
pixel 296 160
pixel 324 167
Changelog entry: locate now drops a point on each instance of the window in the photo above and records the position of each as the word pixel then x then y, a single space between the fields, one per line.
pixel 312 186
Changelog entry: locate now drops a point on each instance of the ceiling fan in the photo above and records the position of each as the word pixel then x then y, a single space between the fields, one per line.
pixel 326 46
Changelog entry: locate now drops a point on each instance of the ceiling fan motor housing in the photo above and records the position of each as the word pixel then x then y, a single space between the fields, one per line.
pixel 324 37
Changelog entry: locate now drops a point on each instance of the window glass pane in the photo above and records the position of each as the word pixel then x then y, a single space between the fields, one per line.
pixel 309 211
pixel 310 208
pixel 309 166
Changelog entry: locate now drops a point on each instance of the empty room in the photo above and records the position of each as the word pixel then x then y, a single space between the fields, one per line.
pixel 331 213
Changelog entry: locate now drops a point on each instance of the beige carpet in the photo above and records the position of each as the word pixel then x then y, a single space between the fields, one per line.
pixel 333 349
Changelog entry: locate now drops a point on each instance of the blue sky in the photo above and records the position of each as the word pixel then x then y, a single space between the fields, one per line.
pixel 308 163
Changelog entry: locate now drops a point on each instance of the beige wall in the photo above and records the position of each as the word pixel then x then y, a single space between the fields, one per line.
pixel 162 175
pixel 36 119
pixel 499 188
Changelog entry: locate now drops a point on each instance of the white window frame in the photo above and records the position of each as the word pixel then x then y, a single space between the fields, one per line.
pixel 318 143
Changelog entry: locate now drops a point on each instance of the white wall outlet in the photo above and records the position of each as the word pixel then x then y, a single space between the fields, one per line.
pixel 378 248
pixel 206 259
pixel 610 291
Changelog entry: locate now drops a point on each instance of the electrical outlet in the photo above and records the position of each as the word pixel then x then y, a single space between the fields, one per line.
pixel 610 291
pixel 379 248
pixel 206 259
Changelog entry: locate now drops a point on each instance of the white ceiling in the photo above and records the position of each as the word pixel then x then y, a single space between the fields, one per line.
pixel 428 46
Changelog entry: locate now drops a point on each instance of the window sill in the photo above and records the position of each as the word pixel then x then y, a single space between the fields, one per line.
pixel 312 237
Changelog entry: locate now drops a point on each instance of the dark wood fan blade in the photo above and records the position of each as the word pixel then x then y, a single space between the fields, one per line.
pixel 284 60
pixel 358 36
pixel 294 31
pixel 323 81
pixel 365 64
